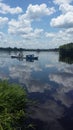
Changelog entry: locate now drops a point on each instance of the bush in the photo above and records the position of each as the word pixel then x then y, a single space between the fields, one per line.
pixel 13 103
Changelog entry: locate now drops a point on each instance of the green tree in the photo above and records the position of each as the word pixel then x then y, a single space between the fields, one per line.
pixel 66 53
pixel 66 50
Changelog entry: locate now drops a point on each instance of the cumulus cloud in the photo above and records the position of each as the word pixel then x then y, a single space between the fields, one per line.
pixel 19 27
pixel 3 39
pixel 66 8
pixel 35 34
pixel 50 35
pixel 65 20
pixel 70 31
pixel 23 25
pixel 1 35
pixel 62 1
pixel 60 37
pixel 3 21
pixel 23 28
pixel 35 12
pixel 4 9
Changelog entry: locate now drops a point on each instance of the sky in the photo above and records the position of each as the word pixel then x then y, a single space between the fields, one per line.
pixel 36 23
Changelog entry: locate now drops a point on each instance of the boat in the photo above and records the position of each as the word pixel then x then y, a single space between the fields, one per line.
pixel 17 57
pixel 27 57
pixel 31 57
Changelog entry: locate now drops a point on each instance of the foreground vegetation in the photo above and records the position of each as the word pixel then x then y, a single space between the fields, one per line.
pixel 13 102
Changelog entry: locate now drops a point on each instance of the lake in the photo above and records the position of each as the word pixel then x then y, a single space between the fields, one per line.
pixel 48 82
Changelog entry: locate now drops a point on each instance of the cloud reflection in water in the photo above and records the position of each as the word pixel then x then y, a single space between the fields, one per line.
pixel 47 78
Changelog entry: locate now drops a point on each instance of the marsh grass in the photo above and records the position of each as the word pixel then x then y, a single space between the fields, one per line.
pixel 13 102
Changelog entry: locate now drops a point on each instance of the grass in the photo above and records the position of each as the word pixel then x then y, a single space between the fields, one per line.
pixel 13 102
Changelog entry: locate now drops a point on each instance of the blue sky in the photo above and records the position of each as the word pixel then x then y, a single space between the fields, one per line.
pixel 36 23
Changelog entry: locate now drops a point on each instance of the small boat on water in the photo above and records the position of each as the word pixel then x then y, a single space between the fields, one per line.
pixel 17 57
pixel 27 57
pixel 31 57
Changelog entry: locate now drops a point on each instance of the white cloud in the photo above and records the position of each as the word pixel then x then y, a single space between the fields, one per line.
pixel 35 34
pixel 63 36
pixel 4 9
pixel 3 21
pixel 4 39
pixel 1 36
pixel 49 35
pixel 35 12
pixel 62 1
pixel 69 31
pixel 19 27
pixel 63 21
pixel 23 28
pixel 66 8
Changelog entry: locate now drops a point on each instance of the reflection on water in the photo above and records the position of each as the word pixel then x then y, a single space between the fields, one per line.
pixel 67 59
pixel 47 81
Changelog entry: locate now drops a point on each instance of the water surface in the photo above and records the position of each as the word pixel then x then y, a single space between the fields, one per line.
pixel 47 81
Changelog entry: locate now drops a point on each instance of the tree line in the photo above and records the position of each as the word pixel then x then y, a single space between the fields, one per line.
pixel 66 53
pixel 66 50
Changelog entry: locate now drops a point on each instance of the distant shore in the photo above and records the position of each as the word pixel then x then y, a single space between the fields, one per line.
pixel 23 49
